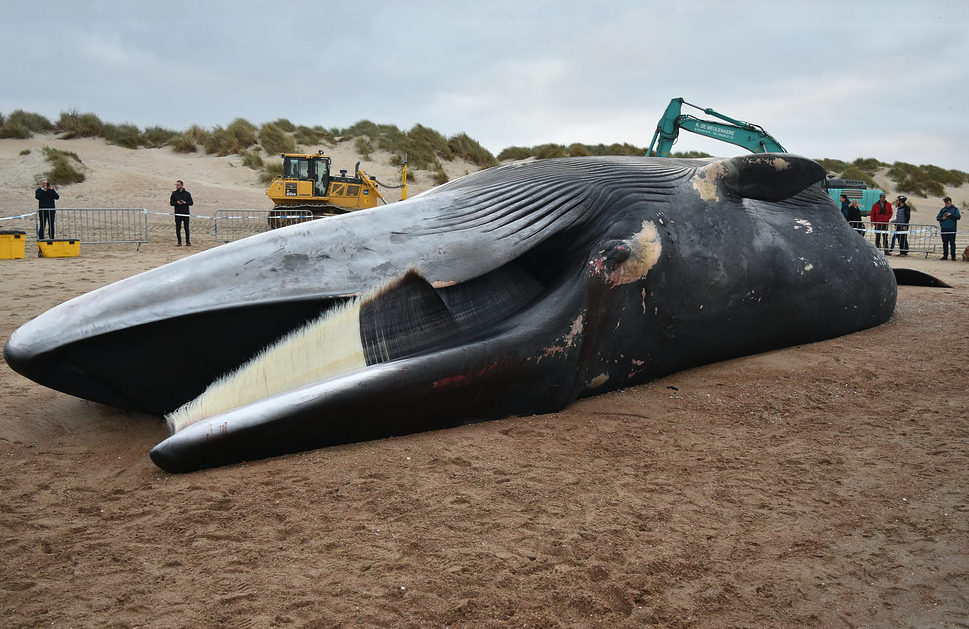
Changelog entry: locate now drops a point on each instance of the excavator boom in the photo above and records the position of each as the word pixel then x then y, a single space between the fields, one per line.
pixel 749 136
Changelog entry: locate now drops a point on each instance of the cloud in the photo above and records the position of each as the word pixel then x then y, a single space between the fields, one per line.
pixel 828 79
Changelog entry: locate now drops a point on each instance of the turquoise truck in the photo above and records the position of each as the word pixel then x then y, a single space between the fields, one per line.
pixel 855 190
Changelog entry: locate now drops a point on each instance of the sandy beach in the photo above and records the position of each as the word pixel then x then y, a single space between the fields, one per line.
pixel 822 485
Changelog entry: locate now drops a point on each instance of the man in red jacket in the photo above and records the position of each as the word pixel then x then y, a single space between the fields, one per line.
pixel 881 213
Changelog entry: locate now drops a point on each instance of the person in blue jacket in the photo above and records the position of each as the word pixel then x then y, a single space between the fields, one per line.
pixel 947 218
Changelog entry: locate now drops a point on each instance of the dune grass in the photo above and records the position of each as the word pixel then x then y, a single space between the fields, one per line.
pixel 275 139
pixel 21 125
pixel 425 148
pixel 64 167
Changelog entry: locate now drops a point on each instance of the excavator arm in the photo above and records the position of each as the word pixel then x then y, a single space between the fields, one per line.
pixel 749 136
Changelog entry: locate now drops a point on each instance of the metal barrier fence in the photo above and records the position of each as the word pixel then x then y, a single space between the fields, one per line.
pixel 130 225
pixel 237 224
pixel 100 226
pixel 922 239
pixel 92 226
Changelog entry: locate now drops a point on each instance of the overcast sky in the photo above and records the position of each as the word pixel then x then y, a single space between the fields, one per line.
pixel 854 78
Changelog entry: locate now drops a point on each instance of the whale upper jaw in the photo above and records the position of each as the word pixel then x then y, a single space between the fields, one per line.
pixel 155 341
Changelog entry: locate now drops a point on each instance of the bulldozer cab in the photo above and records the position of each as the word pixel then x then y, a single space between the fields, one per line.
pixel 308 190
pixel 315 168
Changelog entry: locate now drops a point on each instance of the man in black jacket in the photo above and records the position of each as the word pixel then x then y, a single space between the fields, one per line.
pixel 181 200
pixel 46 195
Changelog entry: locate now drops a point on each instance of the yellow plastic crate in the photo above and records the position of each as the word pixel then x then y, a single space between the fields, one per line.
pixel 12 244
pixel 59 248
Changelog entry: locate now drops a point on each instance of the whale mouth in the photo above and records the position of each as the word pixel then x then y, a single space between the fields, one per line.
pixel 405 318
pixel 159 366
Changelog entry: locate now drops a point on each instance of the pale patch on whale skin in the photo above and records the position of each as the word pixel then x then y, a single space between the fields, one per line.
pixel 780 163
pixel 705 181
pixel 599 380
pixel 568 341
pixel 646 249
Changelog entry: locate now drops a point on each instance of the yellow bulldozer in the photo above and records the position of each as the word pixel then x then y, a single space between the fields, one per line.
pixel 307 190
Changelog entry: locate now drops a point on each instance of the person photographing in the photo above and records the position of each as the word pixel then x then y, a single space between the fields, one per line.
pixel 46 196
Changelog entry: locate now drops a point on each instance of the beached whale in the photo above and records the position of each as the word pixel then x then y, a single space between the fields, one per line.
pixel 514 290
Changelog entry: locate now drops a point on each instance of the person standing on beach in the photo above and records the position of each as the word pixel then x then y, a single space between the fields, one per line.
pixel 903 216
pixel 947 218
pixel 46 195
pixel 181 200
pixel 881 213
pixel 854 217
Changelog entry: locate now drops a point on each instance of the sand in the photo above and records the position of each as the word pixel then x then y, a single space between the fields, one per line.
pixel 823 485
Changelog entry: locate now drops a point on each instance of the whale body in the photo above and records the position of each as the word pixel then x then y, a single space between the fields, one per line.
pixel 511 291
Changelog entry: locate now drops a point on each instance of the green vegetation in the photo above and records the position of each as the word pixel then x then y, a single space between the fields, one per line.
pixel 440 177
pixel 548 151
pixel 862 168
pixel 925 180
pixel 157 137
pixel 189 141
pixel 853 172
pixel 231 140
pixel 691 155
pixel 284 125
pixel 125 135
pixel 364 147
pixel 463 146
pixel 425 148
pixel 422 138
pixel 275 140
pixel 64 167
pixel 419 147
pixel 514 153
pixel 832 165
pixel 73 124
pixel 253 160
pixel 311 137
pixel 21 125
pixel 922 181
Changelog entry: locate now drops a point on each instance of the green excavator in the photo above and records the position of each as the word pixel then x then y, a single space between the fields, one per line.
pixel 750 136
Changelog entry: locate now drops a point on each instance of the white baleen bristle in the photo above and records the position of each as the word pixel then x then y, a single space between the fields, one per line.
pixel 323 348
